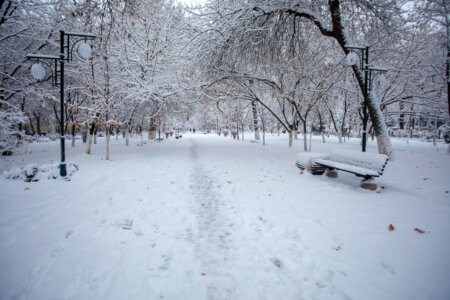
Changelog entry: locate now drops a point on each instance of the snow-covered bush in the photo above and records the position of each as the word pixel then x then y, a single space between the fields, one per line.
pixel 10 136
pixel 33 172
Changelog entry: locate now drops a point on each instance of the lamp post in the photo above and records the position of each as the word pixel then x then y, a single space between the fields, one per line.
pixel 353 57
pixel 65 54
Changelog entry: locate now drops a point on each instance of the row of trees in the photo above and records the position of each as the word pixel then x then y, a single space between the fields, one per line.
pixel 289 57
pixel 231 65
pixel 134 78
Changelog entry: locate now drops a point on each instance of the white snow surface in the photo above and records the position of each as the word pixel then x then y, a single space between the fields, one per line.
pixel 208 217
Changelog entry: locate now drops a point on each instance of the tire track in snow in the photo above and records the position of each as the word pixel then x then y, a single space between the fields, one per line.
pixel 214 243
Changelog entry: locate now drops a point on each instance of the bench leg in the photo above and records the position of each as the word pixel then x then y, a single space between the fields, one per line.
pixel 317 172
pixel 301 167
pixel 332 173
pixel 369 184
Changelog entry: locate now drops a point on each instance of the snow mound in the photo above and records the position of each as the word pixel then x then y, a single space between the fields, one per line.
pixel 33 172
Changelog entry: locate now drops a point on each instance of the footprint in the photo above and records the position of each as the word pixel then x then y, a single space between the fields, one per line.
pixel 189 234
pixel 276 262
pixel 127 224
pixel 68 234
pixel 166 262
pixel 94 284
pixel 388 268
pixel 320 285
pixel 56 251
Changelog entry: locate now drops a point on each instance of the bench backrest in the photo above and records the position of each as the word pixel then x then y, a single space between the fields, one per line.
pixel 372 161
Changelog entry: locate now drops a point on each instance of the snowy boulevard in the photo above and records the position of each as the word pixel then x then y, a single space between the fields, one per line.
pixel 208 217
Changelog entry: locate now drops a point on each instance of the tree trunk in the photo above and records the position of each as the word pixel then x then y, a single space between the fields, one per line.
pixel 264 135
pixel 152 133
pixel 291 138
pixel 401 118
pixel 127 137
pixel 52 128
pixel 447 63
pixel 339 135
pixel 89 140
pixel 321 126
pixel 336 128
pixel 435 132
pixel 84 136
pixel 255 121
pixel 95 136
pixel 108 137
pixel 33 132
pixel 38 123
pixel 342 130
pixel 73 135
pixel 305 136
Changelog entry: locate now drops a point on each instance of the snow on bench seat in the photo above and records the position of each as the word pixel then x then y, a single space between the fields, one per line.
pixel 348 168
pixel 372 161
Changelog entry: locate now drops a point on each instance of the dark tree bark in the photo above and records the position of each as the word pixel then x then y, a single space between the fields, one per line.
pixel 37 116
pixel 255 120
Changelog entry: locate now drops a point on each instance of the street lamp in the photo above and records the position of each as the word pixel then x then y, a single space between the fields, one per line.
pixel 353 57
pixel 65 54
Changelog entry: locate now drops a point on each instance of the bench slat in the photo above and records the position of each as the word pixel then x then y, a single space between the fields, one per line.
pixel 346 167
pixel 372 161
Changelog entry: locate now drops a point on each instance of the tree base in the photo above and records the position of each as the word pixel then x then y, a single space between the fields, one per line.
pixel 7 153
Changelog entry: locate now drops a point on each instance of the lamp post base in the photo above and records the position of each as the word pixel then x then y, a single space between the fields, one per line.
pixel 62 170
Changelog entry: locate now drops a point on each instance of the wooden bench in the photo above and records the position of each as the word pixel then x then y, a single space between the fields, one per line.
pixel 362 164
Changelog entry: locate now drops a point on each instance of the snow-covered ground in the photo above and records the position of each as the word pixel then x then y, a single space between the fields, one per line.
pixel 208 217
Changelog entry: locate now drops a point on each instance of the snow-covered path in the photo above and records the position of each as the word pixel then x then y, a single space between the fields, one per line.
pixel 216 222
pixel 206 217
pixel 241 253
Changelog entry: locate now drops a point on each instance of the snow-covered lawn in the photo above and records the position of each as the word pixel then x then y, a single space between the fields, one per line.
pixel 208 217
